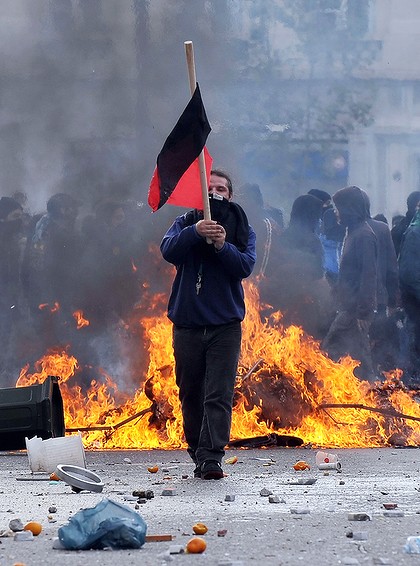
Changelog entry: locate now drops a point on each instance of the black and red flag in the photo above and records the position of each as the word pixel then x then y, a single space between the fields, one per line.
pixel 176 179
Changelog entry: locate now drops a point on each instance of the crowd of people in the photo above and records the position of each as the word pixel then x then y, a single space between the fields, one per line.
pixel 64 268
pixel 350 280
pixel 334 270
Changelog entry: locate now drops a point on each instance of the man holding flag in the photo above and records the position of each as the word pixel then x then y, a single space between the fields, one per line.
pixel 206 306
pixel 213 249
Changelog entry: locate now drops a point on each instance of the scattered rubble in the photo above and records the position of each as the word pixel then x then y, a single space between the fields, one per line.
pixel 16 525
pixel 393 513
pixel 23 536
pixel 302 502
pixel 143 493
pixel 176 549
pixel 357 535
pixel 359 517
pixel 169 491
pixel 275 499
pixel 299 511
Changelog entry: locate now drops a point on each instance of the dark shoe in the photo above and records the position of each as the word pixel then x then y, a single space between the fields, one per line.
pixel 211 470
pixel 197 471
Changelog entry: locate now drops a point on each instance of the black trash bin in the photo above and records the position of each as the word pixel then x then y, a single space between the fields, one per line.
pixel 36 410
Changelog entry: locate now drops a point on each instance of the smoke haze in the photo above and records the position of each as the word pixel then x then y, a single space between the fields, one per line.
pixel 91 89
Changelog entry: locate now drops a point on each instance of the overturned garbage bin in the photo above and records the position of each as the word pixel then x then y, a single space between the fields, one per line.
pixel 36 410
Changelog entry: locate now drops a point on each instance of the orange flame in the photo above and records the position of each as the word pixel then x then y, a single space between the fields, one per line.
pixel 54 308
pixel 80 320
pixel 284 380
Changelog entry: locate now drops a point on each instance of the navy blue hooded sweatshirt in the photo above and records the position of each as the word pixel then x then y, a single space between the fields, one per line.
pixel 220 297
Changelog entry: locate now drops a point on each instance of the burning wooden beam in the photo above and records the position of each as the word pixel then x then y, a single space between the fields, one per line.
pixel 112 428
pixel 386 412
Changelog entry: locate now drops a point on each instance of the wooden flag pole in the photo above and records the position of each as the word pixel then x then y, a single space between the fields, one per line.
pixel 189 54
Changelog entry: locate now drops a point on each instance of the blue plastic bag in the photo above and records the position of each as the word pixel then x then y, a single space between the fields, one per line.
pixel 108 525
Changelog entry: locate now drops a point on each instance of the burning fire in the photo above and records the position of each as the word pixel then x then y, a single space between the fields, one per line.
pixel 286 385
pixel 54 308
pixel 80 320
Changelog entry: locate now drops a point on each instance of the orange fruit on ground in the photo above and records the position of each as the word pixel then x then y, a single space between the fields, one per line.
pixel 200 529
pixel 301 465
pixel 153 469
pixel 196 545
pixel 54 477
pixel 34 527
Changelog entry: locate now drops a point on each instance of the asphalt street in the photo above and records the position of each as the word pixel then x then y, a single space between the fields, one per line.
pixel 312 523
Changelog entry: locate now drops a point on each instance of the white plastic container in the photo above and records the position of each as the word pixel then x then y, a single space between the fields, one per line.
pixel 46 455
pixel 412 545
pixel 327 461
pixel 330 466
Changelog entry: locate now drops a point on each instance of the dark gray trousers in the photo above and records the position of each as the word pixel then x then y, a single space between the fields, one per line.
pixel 206 361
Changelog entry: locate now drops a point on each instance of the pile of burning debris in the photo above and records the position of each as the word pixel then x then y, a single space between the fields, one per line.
pixel 288 393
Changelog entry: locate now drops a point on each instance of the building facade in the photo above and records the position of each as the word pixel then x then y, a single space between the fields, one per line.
pixel 385 157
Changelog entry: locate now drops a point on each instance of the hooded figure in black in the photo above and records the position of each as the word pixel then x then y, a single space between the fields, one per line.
pixel 409 272
pixel 267 222
pixel 51 263
pixel 388 285
pixel 10 256
pixel 51 272
pixel 398 230
pixel 356 290
pixel 384 333
pixel 294 282
pixel 109 265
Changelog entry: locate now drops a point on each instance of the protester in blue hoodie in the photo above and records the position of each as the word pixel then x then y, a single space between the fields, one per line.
pixel 206 307
pixel 331 233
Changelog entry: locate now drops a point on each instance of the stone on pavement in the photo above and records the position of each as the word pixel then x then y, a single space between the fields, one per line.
pixel 249 531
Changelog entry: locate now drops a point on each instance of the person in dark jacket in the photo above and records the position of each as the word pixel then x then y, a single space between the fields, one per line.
pixel 206 307
pixel 356 286
pixel 109 281
pixel 267 223
pixel 51 270
pixel 11 230
pixel 388 284
pixel 295 283
pixel 400 227
pixel 384 333
pixel 409 270
pixel 382 218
